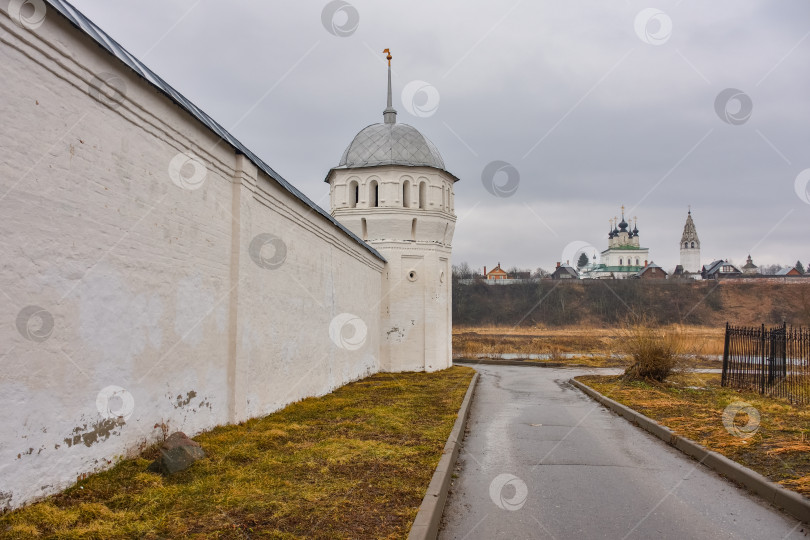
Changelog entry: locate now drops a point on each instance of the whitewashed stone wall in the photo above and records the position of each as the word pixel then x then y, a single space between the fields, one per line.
pixel 142 289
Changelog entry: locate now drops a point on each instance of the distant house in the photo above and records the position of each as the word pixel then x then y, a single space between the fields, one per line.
pixel 750 267
pixel 496 273
pixel 680 273
pixel 720 269
pixel 789 271
pixel 565 271
pixel 652 271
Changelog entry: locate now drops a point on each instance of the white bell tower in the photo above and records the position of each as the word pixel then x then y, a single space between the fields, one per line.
pixel 391 189
pixel 690 246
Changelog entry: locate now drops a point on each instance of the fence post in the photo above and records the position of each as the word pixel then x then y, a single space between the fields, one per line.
pixel 784 349
pixel 762 352
pixel 724 376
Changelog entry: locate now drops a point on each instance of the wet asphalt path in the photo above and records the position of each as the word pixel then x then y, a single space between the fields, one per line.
pixel 579 471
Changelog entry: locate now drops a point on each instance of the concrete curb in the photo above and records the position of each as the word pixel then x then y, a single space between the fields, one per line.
pixel 789 501
pixel 429 516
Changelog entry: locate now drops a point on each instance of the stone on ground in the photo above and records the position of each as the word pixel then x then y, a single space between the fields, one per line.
pixel 177 453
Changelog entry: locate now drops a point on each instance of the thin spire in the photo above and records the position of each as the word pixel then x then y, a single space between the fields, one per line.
pixel 389 114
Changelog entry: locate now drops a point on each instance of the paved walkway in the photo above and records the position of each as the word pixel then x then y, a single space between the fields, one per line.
pixel 542 460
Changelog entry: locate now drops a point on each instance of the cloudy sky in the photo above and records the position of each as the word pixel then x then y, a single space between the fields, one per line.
pixel 594 105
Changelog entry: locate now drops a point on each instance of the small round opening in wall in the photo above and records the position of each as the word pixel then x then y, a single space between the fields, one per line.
pixel 412 275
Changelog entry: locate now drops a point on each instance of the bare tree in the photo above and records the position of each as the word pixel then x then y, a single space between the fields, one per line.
pixel 462 271
pixel 770 269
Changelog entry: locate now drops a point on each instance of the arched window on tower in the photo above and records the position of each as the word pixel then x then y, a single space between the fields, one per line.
pixel 422 195
pixel 693 244
pixel 444 203
pixel 406 194
pixel 636 261
pixel 685 245
pixel 354 192
pixel 373 194
pixel 621 262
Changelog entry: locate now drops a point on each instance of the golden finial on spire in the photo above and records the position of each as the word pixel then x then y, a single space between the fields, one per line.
pixel 389 114
pixel 622 211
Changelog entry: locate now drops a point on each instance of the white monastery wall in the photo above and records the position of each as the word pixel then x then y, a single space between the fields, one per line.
pixel 135 296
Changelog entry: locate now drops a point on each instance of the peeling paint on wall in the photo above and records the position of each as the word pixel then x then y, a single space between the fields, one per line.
pixel 5 500
pixel 396 334
pixel 183 402
pixel 98 432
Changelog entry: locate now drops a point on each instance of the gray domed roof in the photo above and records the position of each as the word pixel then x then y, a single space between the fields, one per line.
pixel 391 144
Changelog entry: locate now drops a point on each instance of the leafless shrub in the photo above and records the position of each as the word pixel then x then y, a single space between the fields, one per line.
pixel 654 351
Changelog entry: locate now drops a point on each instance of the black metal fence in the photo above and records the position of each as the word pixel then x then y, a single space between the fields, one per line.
pixel 774 361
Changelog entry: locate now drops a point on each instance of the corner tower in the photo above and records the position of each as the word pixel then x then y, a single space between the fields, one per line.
pixel 392 190
pixel 690 246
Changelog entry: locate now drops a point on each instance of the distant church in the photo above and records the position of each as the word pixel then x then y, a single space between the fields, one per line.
pixel 624 257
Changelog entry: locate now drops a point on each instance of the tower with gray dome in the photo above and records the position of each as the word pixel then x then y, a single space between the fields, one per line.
pixel 392 190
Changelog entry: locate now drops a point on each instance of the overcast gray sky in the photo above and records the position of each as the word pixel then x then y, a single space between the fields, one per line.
pixel 595 104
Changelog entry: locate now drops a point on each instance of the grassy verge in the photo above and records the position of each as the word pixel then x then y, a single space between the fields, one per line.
pixel 355 463
pixel 692 405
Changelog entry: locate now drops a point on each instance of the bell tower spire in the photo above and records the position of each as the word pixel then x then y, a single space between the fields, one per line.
pixel 389 114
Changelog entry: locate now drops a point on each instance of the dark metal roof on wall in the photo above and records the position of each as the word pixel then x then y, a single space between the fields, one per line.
pixel 87 26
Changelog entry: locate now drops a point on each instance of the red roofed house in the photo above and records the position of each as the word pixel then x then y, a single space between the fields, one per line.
pixel 496 273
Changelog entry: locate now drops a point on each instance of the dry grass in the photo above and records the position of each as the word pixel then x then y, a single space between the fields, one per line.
pixel 697 341
pixel 655 352
pixel 355 463
pixel 692 405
